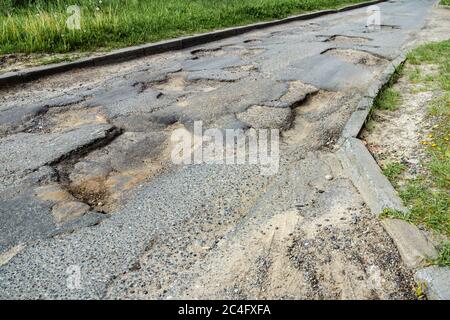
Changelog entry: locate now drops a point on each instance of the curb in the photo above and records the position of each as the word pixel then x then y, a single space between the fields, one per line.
pixel 358 118
pixel 130 53
pixel 414 247
pixel 436 280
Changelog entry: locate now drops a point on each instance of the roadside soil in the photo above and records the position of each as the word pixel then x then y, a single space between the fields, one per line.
pixel 21 61
pixel 403 135
pixel 395 136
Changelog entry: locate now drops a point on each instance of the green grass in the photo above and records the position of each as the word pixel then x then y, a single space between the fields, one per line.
pixel 395 214
pixel 436 53
pixel 427 206
pixel 426 195
pixel 54 60
pixel 445 2
pixel 388 99
pixel 40 25
pixel 415 75
pixel 393 170
pixel 444 256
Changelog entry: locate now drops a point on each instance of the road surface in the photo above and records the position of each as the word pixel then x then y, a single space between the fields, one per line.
pixel 92 206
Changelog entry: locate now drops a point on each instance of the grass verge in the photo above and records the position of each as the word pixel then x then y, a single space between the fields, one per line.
pixel 426 194
pixel 29 26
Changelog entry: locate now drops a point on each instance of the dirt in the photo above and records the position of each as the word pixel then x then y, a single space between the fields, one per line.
pixel 65 118
pixel 106 190
pixel 318 109
pixel 344 254
pixel 177 83
pixel 396 136
pixel 21 61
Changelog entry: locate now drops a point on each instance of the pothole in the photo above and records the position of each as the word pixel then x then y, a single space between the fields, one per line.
pixel 204 85
pixel 58 119
pixel 174 82
pixel 92 192
pixel 213 52
pixel 66 207
pixel 102 178
pixel 308 117
pixel 252 41
pixel 343 39
pixel 322 100
pixel 245 50
pixel 356 56
pixel 76 117
pixel 261 117
pixel 219 52
pixel 297 93
pixel 178 83
pixel 251 52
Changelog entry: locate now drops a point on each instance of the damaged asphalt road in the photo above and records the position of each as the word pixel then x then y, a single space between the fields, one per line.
pixel 86 178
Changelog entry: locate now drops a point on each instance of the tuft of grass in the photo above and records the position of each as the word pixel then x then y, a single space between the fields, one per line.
pixel 388 99
pixel 395 214
pixel 445 2
pixel 414 75
pixel 393 170
pixel 28 26
pixel 443 259
pixel 437 53
pixel 50 60
pixel 420 290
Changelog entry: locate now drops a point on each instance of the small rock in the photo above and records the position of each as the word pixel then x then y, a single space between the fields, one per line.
pixel 329 177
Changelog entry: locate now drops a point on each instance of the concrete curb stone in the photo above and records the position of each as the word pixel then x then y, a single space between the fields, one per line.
pixel 366 175
pixel 436 280
pixel 414 248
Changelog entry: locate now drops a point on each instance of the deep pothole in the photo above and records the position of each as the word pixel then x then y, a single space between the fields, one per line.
pixel 356 56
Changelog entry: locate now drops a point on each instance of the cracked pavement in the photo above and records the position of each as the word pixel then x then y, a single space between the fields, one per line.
pixel 86 178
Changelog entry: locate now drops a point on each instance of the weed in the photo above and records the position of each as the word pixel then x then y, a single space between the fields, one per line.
pixel 444 256
pixel 395 214
pixel 393 170
pixel 420 290
pixel 388 99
